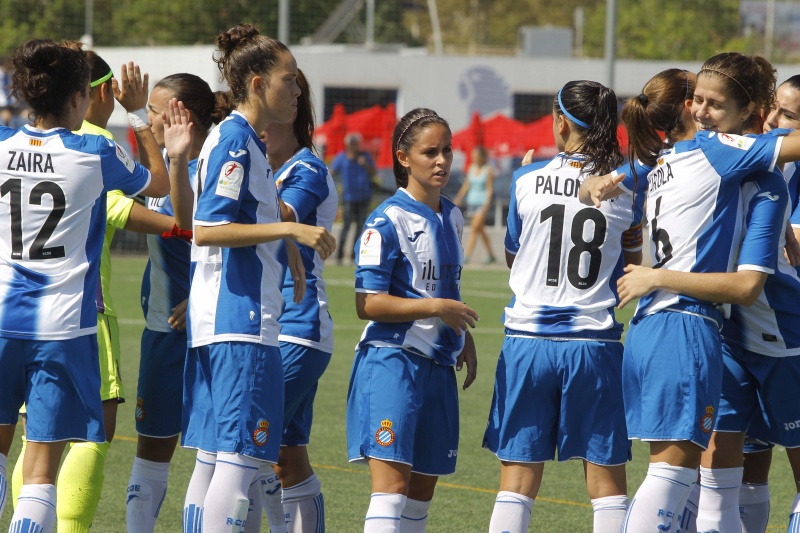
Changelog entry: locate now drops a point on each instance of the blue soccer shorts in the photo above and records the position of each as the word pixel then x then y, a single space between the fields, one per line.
pixel 233 399
pixel 159 396
pixel 672 375
pixel 558 395
pixel 59 381
pixel 302 368
pixel 403 407
pixel 757 396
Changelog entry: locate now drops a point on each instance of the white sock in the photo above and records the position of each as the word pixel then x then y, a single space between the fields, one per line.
pixel 719 500
pixel 512 513
pixel 270 491
pixel 660 499
pixel 794 518
pixel 609 513
pixel 147 489
pixel 414 517
pixel 383 515
pixel 256 506
pixel 3 483
pixel 36 510
pixel 754 507
pixel 226 502
pixel 688 518
pixel 196 492
pixel 304 506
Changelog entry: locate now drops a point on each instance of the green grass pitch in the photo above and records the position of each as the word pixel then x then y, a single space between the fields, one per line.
pixel 463 501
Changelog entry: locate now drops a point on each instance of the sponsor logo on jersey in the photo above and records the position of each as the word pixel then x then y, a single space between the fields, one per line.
pixel 375 222
pixel 769 196
pixel 231 177
pixel 791 425
pixel 139 413
pixel 415 236
pixel 252 315
pixel 557 186
pixel 261 434
pixel 238 153
pixel 707 422
pixel 369 253
pixel 736 141
pixel 385 436
pixel 124 158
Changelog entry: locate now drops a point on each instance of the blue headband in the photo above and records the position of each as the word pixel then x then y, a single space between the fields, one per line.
pixel 580 123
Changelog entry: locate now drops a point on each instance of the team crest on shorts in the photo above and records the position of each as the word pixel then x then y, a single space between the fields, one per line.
pixel 261 434
pixel 707 422
pixel 139 410
pixel 385 436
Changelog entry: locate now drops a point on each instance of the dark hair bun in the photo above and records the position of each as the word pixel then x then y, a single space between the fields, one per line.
pixel 227 41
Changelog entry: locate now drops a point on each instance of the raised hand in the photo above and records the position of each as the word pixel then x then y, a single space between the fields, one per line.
pixel 178 131
pixel 131 88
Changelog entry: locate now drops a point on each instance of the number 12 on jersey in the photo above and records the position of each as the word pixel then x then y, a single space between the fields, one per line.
pixel 13 188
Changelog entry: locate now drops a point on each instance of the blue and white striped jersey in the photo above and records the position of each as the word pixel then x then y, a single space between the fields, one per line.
pixel 771 326
pixel 792 174
pixel 52 222
pixel 694 206
pixel 306 186
pixel 409 251
pixel 165 283
pixel 568 256
pixel 235 293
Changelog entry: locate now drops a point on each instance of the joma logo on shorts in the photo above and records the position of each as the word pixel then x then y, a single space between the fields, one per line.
pixel 791 425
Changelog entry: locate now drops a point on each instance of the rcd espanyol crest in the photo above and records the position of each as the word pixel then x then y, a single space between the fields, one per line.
pixel 385 436
pixel 707 422
pixel 261 434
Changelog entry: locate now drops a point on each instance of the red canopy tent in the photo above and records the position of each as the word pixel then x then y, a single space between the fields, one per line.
pixel 331 133
pixel 375 125
pixel 504 136
pixel 385 159
pixel 470 137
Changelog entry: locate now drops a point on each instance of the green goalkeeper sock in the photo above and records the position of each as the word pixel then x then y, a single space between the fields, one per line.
pixel 16 475
pixel 80 485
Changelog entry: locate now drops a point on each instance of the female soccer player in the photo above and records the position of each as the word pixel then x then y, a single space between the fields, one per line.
pixel 308 195
pixel 165 289
pixel 477 191
pixel 403 388
pixel 564 294
pixel 760 350
pixel 55 182
pixel 693 210
pixel 233 395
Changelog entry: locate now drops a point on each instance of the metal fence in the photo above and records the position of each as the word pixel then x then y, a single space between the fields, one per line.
pixel 645 29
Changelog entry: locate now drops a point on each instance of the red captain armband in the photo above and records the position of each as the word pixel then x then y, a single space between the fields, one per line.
pixel 178 233
pixel 632 238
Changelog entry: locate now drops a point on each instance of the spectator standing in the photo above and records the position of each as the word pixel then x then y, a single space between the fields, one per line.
pixel 354 169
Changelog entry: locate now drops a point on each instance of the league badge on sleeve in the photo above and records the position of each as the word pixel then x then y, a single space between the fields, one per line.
pixel 736 141
pixel 124 158
pixel 231 177
pixel 369 253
